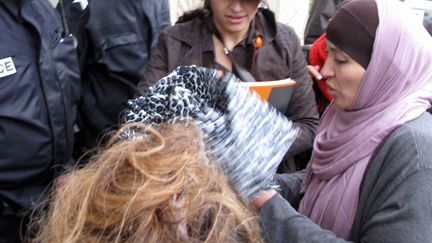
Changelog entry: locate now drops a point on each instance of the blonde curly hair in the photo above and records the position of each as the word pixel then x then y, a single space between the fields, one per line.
pixel 158 187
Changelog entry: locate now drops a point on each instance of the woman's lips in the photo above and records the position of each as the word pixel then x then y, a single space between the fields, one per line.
pixel 331 90
pixel 234 19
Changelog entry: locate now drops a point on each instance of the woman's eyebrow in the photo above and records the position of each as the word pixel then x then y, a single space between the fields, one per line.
pixel 332 49
pixel 338 52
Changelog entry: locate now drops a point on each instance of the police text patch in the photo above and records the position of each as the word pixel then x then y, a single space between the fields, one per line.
pixel 7 67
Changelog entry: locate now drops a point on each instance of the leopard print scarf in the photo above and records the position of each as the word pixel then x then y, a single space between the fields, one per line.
pixel 246 135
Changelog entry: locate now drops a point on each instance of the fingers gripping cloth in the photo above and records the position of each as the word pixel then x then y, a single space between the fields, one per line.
pixel 246 136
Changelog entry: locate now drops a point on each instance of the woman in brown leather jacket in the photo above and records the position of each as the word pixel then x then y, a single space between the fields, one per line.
pixel 237 36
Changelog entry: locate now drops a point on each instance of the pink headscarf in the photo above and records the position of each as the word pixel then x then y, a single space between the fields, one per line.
pixel 396 88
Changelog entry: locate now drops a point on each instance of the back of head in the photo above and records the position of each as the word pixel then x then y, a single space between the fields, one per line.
pixel 155 187
pixel 352 29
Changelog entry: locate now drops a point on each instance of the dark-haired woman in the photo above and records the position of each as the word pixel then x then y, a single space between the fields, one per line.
pixel 237 36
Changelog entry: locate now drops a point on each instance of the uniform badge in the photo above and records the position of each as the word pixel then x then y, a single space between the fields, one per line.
pixel 7 67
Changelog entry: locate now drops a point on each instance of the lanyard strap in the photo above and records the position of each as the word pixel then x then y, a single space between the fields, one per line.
pixel 242 72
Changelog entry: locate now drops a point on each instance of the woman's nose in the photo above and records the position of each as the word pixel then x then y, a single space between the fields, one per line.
pixel 327 70
pixel 236 5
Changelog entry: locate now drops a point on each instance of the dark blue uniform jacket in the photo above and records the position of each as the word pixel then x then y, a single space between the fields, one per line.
pixel 39 89
pixel 117 40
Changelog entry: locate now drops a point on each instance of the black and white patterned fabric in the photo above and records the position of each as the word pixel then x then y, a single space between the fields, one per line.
pixel 247 136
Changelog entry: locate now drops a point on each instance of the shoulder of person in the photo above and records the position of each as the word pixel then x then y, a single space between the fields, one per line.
pixel 396 189
pixel 188 32
pixel 412 139
pixel 286 31
pixel 275 30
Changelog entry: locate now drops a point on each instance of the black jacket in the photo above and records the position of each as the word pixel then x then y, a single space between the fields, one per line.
pixel 118 37
pixel 39 89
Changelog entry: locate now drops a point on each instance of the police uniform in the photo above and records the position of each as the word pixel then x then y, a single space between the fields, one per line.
pixel 117 40
pixel 39 90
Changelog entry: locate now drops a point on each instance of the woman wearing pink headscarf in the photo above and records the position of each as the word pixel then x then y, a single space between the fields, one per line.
pixel 370 175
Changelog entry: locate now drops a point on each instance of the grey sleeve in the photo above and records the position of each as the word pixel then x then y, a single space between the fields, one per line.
pixel 401 213
pixel 281 223
pixel 289 186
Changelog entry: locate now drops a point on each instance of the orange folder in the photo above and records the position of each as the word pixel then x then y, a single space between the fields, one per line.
pixel 264 88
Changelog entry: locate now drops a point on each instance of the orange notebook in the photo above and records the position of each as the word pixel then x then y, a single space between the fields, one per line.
pixel 277 93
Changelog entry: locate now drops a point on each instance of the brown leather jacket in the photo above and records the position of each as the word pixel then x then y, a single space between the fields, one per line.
pixel 279 57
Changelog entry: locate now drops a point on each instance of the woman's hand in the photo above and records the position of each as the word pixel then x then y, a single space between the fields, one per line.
pixel 262 198
pixel 314 72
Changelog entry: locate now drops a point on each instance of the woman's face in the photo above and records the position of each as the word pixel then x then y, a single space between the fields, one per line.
pixel 343 75
pixel 233 16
